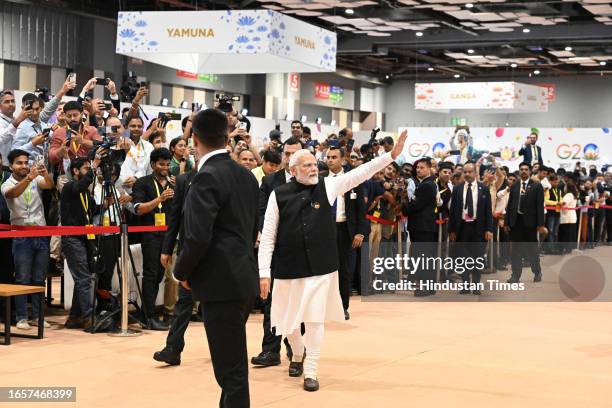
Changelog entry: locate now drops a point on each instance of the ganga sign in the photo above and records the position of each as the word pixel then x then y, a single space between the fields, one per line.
pixel 503 97
pixel 227 42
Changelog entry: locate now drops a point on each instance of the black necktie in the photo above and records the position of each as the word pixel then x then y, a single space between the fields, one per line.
pixel 522 201
pixel 469 201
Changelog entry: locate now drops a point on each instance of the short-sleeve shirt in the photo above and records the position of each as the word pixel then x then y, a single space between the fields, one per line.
pixel 27 209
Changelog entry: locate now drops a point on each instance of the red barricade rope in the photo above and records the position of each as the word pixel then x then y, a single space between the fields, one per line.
pixel 19 231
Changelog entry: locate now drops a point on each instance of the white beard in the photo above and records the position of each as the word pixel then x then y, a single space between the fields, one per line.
pixel 307 180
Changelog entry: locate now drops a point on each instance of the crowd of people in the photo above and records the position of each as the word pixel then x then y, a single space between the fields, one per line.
pixel 86 162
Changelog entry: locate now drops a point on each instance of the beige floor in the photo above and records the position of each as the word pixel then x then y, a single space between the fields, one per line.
pixel 391 354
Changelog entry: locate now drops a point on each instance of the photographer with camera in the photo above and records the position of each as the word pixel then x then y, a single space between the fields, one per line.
pixel 29 135
pixel 9 123
pixel 76 139
pixel 77 209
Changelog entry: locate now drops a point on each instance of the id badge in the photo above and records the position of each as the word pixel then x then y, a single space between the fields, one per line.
pixel 353 195
pixel 376 214
pixel 558 208
pixel 90 236
pixel 160 219
pixel 596 205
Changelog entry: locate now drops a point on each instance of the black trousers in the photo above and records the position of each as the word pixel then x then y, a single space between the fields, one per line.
pixel 609 225
pixel 152 270
pixel 271 342
pixel 524 246
pixel 471 244
pixel 182 316
pixel 224 323
pixel 110 250
pixel 423 243
pixel 7 271
pixel 600 216
pixel 344 253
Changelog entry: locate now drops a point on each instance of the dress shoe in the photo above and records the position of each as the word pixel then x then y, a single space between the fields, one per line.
pixel 347 316
pixel 154 324
pixel 266 359
pixel 168 356
pixel 73 323
pixel 421 293
pixel 464 292
pixel 296 369
pixel 310 384
pixel 537 277
pixel 476 292
pixel 501 267
pixel 512 280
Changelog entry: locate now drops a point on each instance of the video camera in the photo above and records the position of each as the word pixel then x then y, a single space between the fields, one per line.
pixel 225 102
pixel 43 93
pixel 130 88
pixel 373 135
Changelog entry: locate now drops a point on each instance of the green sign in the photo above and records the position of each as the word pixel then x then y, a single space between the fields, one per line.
pixel 458 122
pixel 208 77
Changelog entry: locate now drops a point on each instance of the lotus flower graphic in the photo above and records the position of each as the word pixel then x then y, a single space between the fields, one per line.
pixel 141 23
pixel 262 29
pixel 327 40
pixel 246 21
pixel 255 39
pixel 242 39
pixel 591 152
pixel 275 34
pixel 127 33
pixel 438 150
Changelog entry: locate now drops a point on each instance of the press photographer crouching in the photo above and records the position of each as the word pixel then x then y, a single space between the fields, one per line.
pixel 77 208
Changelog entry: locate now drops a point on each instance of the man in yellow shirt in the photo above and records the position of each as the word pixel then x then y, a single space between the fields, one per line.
pixel 271 164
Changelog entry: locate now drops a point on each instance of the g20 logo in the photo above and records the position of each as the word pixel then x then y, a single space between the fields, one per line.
pixel 418 149
pixel 566 151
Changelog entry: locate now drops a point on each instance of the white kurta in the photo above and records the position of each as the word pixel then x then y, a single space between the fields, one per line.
pixel 313 299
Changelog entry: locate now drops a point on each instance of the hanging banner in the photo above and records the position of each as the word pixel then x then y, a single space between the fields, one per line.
pixel 506 97
pixel 294 82
pixel 561 147
pixel 228 42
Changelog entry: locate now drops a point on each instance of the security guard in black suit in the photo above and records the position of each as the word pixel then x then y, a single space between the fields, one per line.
pixel 524 220
pixel 471 222
pixel 351 223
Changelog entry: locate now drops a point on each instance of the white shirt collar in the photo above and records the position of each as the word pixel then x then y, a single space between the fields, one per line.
pixel 209 155
pixel 332 174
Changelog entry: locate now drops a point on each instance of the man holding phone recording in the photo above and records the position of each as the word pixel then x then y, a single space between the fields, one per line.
pixel 9 123
pixel 76 139
pixel 29 136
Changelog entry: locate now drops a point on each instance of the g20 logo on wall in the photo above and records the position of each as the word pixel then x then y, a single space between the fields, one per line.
pixel 419 149
pixel 589 152
pixel 438 150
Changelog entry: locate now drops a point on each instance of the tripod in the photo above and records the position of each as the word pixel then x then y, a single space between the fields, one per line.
pixel 116 216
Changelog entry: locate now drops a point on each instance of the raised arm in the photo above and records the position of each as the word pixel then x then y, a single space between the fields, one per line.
pixel 337 186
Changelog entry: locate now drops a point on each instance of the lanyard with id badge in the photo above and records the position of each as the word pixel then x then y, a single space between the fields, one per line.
pixel 85 204
pixel 160 217
pixel 27 197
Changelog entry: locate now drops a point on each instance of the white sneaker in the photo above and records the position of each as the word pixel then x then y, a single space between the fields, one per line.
pixel 23 325
pixel 46 324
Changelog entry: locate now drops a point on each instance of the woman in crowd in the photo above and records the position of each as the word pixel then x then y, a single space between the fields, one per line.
pixel 568 218
pixel 180 163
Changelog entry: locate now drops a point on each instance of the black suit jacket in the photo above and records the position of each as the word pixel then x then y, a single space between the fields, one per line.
pixel 175 215
pixel 220 228
pixel 421 210
pixel 484 213
pixel 526 153
pixel 355 209
pixel 268 184
pixel 534 216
